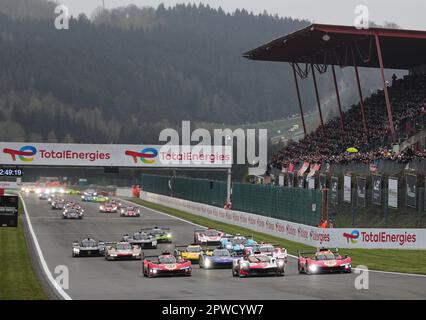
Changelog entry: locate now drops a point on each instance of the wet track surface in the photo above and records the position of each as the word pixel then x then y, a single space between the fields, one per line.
pixel 96 278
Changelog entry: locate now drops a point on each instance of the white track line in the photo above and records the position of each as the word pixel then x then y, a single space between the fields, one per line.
pixel 290 255
pixel 46 270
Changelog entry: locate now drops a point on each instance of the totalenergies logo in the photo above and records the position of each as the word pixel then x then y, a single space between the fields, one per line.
pixel 147 155
pixel 353 236
pixel 25 154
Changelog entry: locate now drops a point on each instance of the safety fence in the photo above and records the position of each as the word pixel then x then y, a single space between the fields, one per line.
pixel 291 204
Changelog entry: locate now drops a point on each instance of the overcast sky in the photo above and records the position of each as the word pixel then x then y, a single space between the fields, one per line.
pixel 409 14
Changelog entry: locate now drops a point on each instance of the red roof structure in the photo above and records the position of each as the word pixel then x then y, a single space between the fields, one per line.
pixel 330 44
pixel 319 46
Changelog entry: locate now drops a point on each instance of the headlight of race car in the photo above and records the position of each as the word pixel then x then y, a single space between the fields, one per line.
pixel 280 262
pixel 101 208
pixel 346 265
pixel 207 263
pixel 122 210
pixel 313 268
pixel 76 250
pixel 245 265
pixel 229 246
pixel 169 235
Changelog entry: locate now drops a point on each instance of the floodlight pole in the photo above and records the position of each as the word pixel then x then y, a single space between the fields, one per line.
pixel 317 96
pixel 342 122
pixel 361 98
pixel 385 88
pixel 298 98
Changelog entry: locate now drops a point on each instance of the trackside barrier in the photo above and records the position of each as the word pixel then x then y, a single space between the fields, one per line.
pixel 339 237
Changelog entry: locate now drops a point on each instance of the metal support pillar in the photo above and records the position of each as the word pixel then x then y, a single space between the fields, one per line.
pixel 317 96
pixel 342 121
pixel 385 88
pixel 299 99
pixel 361 98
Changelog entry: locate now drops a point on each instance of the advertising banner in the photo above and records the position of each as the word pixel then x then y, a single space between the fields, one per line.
pixel 290 180
pixel 311 183
pixel 106 155
pixel 376 189
pixel 410 196
pixel 360 188
pixel 393 192
pixel 281 180
pixel 9 211
pixel 334 195
pixel 347 181
pixel 322 181
pixel 303 169
pixel 309 235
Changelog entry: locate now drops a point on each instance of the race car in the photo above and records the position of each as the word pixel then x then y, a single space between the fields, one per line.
pixel 117 203
pixel 323 261
pixel 163 235
pixel 258 264
pixel 72 213
pixel 207 237
pixel 237 243
pixel 87 197
pixel 44 195
pixel 57 204
pixel 142 239
pixel 191 252
pixel 88 248
pixel 108 208
pixel 130 211
pixel 99 198
pixel 122 251
pixel 267 249
pixel 165 265
pixel 218 258
pixel 73 192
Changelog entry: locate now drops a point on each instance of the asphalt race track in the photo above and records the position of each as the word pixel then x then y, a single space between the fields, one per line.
pixel 96 278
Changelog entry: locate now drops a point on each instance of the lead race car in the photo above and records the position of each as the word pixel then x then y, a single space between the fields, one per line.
pixel 218 258
pixel 258 264
pixel 323 261
pixel 165 264
pixel 142 239
pixel 88 248
pixel 122 251
pixel 208 237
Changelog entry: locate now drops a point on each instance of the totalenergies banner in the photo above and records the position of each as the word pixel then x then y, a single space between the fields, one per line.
pixel 313 236
pixel 104 155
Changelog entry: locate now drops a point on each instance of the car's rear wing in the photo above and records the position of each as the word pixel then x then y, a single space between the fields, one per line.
pixel 301 253
pixel 200 230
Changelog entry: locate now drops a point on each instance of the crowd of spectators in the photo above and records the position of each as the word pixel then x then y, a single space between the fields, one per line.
pixel 330 144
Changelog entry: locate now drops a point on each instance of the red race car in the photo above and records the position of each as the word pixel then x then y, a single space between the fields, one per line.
pixel 207 237
pixel 323 261
pixel 165 264
pixel 130 211
pixel 108 208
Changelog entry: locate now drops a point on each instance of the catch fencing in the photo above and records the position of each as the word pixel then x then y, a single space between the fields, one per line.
pixel 291 204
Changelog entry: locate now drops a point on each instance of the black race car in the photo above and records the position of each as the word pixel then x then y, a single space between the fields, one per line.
pixel 142 239
pixel 72 213
pixel 58 204
pixel 88 248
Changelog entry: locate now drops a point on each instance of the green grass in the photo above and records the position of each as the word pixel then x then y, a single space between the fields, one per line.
pixel 17 278
pixel 407 261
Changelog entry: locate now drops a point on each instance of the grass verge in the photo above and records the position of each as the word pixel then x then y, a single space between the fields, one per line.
pixel 18 280
pixel 405 261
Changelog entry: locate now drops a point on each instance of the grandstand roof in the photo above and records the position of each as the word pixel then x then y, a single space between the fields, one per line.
pixel 401 49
